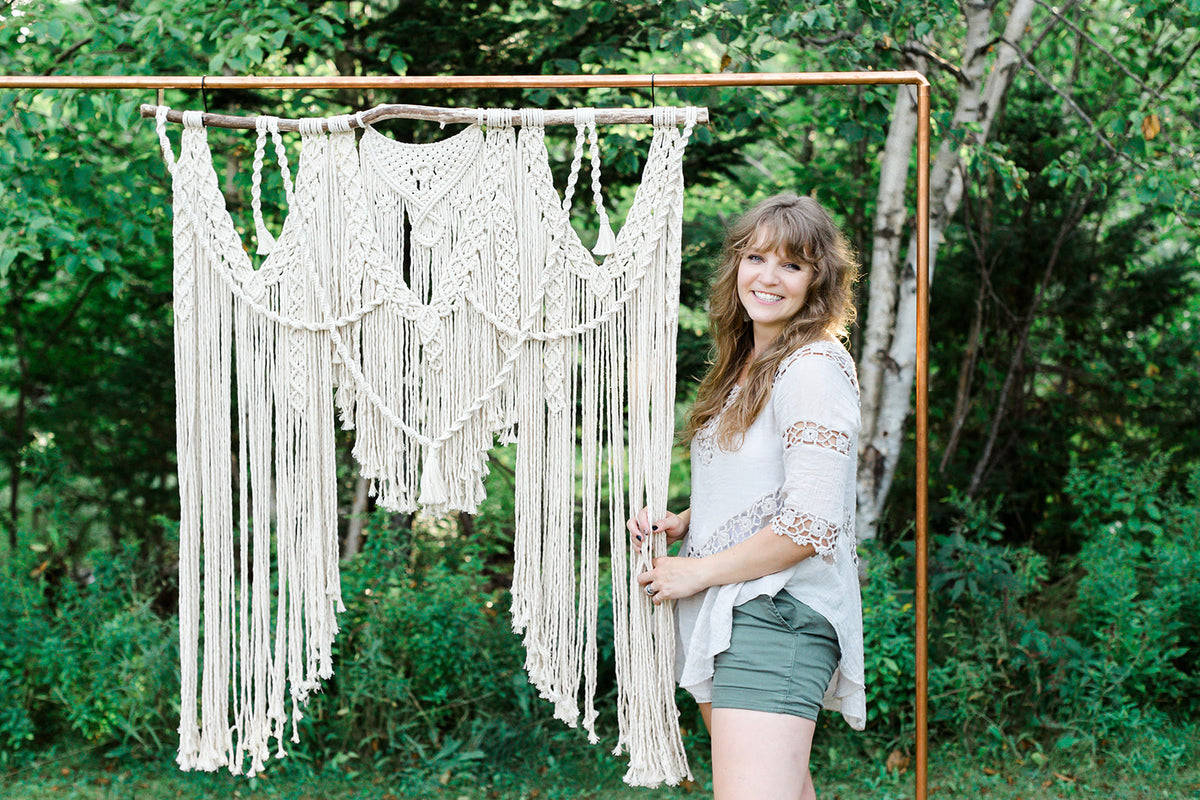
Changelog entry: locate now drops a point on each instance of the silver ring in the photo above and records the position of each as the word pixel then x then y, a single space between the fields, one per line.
pixel 650 591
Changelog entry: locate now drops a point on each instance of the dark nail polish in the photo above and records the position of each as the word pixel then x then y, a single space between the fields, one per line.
pixel 639 537
pixel 653 527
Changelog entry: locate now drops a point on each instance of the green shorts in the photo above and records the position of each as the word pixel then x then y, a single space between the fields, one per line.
pixel 781 657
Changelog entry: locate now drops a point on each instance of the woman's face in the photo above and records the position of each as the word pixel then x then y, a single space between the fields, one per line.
pixel 772 288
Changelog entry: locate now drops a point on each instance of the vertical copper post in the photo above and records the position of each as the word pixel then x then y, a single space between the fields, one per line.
pixel 922 544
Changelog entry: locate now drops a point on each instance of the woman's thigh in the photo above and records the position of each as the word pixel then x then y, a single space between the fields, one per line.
pixel 757 755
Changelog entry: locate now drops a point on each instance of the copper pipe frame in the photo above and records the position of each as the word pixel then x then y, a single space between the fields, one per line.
pixel 921 600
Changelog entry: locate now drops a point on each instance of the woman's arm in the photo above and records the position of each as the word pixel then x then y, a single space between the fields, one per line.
pixel 764 553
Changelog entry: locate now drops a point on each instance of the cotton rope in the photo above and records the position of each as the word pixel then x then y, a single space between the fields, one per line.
pixel 435 299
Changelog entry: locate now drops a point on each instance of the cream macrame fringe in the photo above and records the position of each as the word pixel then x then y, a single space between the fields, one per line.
pixel 434 298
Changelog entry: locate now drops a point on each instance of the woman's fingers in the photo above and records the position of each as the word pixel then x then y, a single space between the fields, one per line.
pixel 671 578
pixel 639 527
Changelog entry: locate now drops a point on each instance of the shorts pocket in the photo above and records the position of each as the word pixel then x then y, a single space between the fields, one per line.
pixel 787 612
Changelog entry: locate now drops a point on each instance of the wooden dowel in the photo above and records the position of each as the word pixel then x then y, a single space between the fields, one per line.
pixel 461 81
pixel 443 116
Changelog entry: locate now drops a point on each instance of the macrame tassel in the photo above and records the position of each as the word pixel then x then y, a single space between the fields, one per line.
pixel 433 484
pixel 606 242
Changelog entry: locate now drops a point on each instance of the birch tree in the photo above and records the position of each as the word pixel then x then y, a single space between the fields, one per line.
pixel 887 365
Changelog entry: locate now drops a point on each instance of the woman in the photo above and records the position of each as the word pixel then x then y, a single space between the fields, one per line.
pixel 766 584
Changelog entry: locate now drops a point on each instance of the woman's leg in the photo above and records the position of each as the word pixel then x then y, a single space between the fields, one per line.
pixel 760 756
pixel 706 715
pixel 810 791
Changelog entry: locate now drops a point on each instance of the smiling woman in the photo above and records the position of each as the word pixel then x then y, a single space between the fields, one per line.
pixel 768 634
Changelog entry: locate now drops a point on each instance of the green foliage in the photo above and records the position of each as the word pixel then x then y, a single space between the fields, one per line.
pixel 1095 661
pixel 1137 601
pixel 425 650
pixel 888 635
pixel 86 657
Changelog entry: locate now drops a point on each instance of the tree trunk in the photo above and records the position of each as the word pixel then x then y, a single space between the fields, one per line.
pixel 888 363
pixel 358 519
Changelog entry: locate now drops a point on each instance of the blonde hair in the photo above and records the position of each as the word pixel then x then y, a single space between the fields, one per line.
pixel 801 229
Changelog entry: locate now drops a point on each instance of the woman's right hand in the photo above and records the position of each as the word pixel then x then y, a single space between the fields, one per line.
pixel 640 527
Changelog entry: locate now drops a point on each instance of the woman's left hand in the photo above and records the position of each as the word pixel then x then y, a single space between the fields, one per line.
pixel 673 578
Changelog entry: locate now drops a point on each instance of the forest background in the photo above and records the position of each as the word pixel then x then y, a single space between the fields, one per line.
pixel 1065 638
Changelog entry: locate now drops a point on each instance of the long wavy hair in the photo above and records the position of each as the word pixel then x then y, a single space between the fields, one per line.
pixel 802 230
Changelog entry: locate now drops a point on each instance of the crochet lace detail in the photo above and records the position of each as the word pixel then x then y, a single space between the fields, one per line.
pixel 739 527
pixel 830 350
pixel 803 528
pixel 817 435
pixel 706 437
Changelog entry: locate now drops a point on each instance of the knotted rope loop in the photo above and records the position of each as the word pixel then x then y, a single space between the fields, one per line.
pixel 533 117
pixel 160 125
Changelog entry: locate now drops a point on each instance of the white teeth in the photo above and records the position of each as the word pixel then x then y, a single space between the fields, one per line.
pixel 768 298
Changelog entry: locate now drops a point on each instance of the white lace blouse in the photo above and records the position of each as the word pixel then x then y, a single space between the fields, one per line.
pixel 795 470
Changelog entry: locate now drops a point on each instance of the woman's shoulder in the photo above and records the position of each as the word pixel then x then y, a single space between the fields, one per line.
pixel 816 357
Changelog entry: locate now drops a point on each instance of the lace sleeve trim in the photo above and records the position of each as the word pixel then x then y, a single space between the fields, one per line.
pixel 823 349
pixel 811 433
pixel 737 528
pixel 803 528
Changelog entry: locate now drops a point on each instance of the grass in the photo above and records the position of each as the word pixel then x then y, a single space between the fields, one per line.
pixel 574 770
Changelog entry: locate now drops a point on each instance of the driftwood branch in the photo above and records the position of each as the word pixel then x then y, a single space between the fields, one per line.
pixel 442 116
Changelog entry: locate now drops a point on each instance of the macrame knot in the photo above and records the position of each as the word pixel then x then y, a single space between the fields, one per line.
pixel 533 117
pixel 585 121
pixel 193 119
pixel 499 117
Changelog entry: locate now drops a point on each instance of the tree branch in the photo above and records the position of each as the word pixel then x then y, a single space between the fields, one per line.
pixel 917 49
pixel 1070 101
pixel 1064 232
pixel 1111 57
pixel 840 36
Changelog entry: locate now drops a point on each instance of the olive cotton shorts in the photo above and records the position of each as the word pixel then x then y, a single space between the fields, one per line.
pixel 781 657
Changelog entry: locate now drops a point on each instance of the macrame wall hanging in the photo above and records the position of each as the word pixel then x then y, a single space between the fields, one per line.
pixel 435 299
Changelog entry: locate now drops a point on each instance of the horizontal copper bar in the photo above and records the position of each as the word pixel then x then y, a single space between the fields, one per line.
pixel 459 81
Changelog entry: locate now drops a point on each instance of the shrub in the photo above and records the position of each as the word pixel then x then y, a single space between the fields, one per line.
pixel 93 662
pixel 888 635
pixel 1137 603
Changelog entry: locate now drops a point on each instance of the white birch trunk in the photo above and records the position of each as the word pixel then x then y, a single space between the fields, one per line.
pixel 888 363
